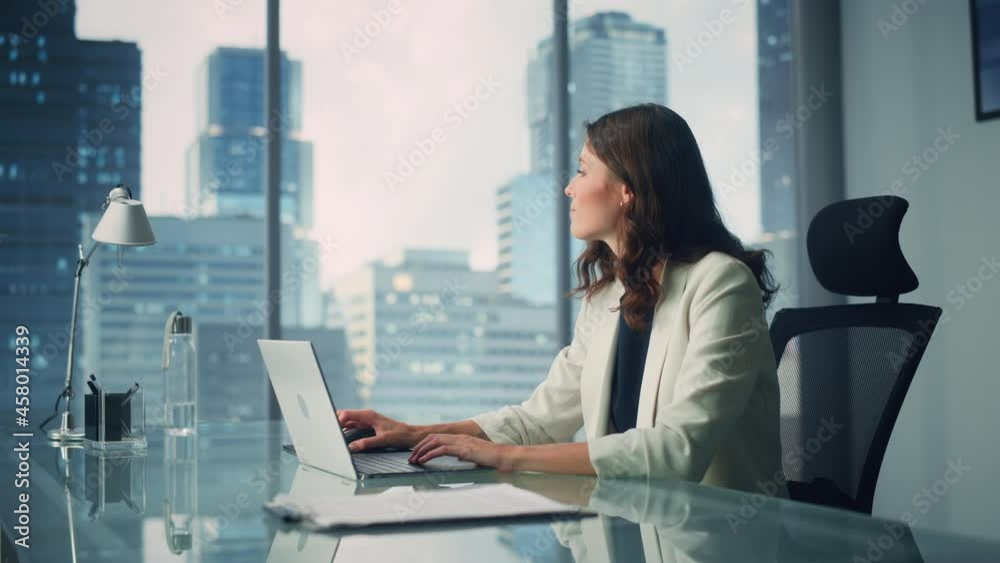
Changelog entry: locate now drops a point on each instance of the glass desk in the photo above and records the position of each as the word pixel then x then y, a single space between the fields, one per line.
pixel 201 502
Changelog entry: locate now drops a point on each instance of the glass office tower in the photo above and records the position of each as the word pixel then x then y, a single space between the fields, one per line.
pixel 778 201
pixel 525 220
pixel 615 61
pixel 432 340
pixel 71 114
pixel 226 163
pixel 774 71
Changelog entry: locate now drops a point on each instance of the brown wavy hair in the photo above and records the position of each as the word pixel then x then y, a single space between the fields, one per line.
pixel 673 215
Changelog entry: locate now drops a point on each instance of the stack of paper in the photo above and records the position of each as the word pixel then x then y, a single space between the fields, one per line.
pixel 413 506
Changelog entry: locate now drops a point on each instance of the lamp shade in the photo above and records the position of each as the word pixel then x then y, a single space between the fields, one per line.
pixel 124 223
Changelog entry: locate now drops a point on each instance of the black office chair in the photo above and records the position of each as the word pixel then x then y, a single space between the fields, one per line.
pixel 844 370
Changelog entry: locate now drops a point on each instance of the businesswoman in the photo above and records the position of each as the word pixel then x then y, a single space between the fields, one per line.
pixel 670 370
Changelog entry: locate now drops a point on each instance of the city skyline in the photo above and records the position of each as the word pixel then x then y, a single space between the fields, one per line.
pixel 225 169
pixel 614 61
pixel 354 116
pixel 72 131
pixel 433 340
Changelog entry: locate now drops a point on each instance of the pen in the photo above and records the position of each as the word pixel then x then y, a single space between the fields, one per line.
pixel 94 387
pixel 130 503
pixel 128 396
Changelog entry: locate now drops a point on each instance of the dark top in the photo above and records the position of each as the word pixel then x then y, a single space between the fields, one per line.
pixel 627 377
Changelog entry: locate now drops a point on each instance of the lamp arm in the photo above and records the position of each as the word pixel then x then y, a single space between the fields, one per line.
pixel 85 257
pixel 80 265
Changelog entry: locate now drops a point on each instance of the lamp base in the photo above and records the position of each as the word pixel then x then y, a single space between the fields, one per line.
pixel 64 433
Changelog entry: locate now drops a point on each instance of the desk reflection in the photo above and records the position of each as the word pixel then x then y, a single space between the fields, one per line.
pixel 295 544
pixel 114 484
pixel 180 495
pixel 635 522
pixel 204 504
pixel 642 521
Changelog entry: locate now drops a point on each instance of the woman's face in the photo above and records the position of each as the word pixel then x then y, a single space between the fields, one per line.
pixel 598 200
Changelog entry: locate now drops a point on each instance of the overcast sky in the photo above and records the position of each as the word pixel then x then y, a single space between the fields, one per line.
pixel 364 111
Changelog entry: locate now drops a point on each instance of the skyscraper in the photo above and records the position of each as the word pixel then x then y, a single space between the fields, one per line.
pixel 615 62
pixel 778 201
pixel 774 71
pixel 70 110
pixel 525 206
pixel 432 340
pixel 226 163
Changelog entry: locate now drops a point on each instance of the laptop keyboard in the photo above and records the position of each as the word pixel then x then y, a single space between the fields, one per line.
pixel 374 464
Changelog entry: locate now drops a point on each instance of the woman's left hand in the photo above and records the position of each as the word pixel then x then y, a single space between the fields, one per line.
pixel 465 448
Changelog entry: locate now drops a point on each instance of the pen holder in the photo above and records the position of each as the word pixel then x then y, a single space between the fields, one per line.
pixel 114 421
pixel 115 482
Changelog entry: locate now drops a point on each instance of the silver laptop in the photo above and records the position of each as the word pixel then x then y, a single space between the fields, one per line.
pixel 311 417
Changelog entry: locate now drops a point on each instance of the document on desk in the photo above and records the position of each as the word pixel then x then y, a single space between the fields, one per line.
pixel 406 505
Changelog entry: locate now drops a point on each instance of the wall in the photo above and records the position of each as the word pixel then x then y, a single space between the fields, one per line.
pixel 901 88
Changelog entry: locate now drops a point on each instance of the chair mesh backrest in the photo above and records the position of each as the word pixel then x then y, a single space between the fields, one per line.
pixel 843 374
pixel 848 375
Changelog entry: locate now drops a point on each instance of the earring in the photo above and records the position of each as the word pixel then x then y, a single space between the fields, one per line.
pixel 621 204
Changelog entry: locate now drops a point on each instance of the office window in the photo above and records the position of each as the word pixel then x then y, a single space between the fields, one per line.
pixel 421 122
pixel 732 86
pixel 123 62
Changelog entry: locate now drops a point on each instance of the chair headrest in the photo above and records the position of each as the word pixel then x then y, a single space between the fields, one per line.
pixel 853 248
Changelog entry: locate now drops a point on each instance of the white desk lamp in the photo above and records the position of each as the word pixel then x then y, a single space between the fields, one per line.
pixel 124 223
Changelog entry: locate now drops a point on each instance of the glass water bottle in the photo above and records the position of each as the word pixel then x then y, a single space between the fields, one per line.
pixel 180 376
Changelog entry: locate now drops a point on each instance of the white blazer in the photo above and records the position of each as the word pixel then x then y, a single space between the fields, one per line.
pixel 708 405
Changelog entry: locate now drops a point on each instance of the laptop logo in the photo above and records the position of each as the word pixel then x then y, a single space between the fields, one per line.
pixel 302 405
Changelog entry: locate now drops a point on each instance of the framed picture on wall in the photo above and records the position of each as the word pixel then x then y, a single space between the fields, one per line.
pixel 986 57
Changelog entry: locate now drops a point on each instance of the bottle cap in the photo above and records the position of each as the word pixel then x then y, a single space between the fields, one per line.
pixel 181 324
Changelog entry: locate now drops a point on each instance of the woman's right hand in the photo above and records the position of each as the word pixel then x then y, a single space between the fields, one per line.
pixel 388 432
